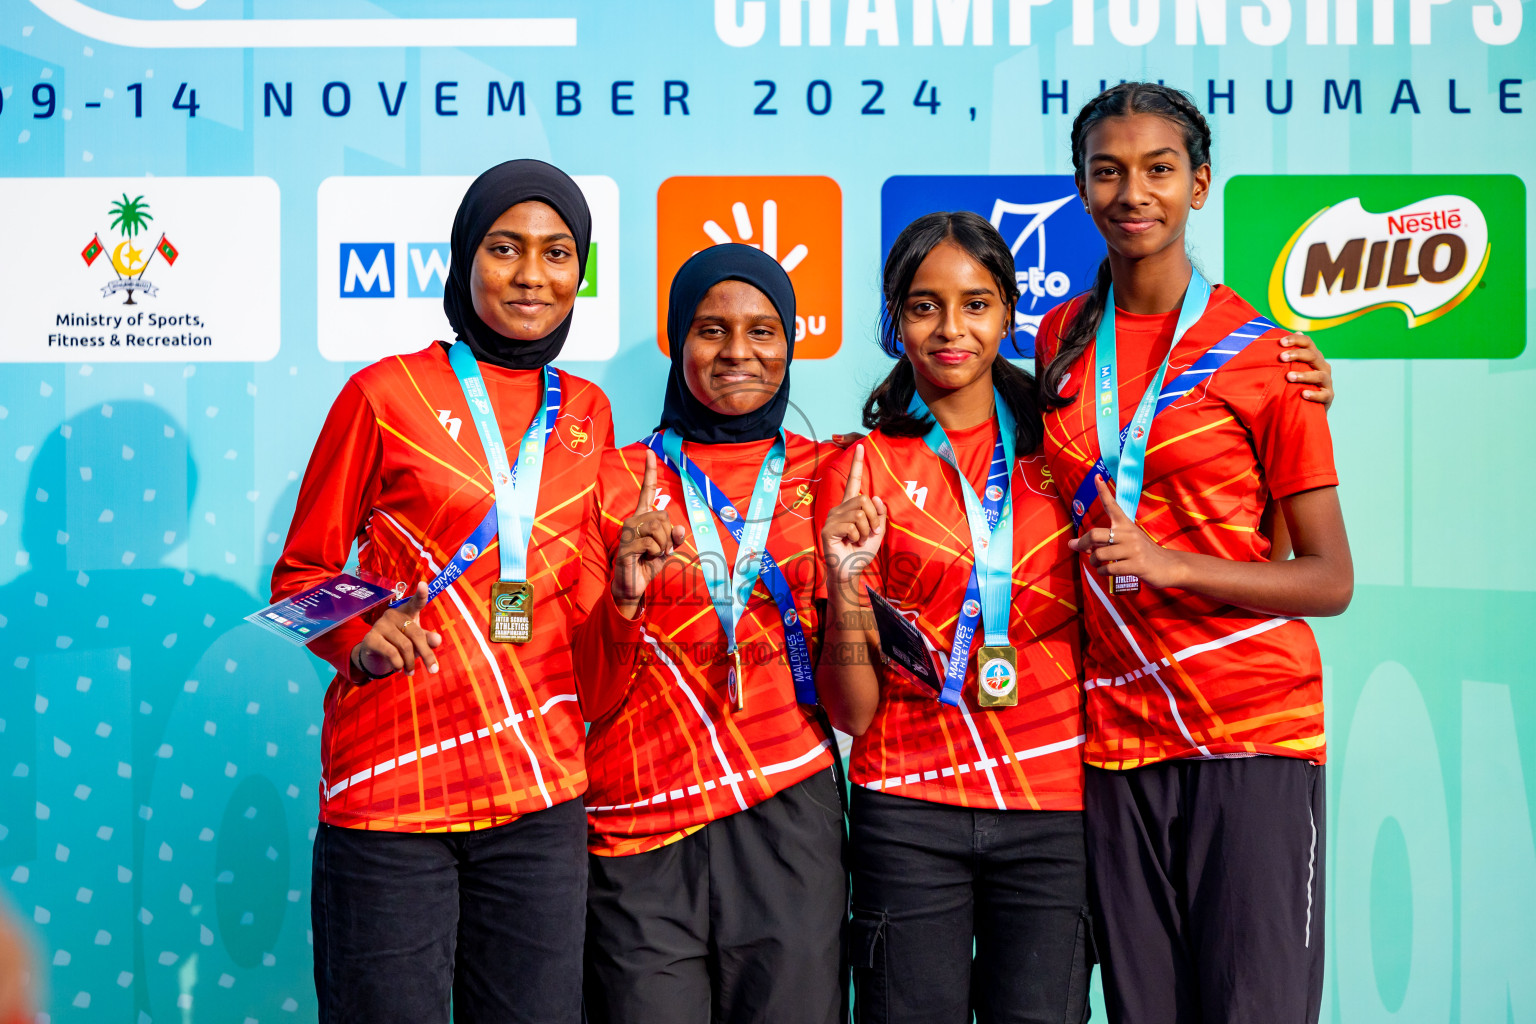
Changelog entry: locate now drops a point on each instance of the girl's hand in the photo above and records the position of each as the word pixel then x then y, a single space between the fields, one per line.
pixel 646 540
pixel 397 640
pixel 852 533
pixel 1298 348
pixel 1125 549
pixel 848 440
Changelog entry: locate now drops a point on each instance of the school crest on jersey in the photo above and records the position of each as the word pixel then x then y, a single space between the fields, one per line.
pixel 797 494
pixel 575 433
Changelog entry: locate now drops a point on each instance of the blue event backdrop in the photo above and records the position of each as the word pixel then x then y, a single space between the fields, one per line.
pixel 292 188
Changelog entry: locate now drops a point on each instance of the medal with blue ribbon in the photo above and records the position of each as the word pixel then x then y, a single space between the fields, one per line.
pixel 729 592
pixel 1122 453
pixel 510 519
pixel 989 593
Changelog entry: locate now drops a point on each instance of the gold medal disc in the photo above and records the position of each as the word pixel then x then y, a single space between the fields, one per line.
pixel 733 684
pixel 511 611
pixel 997 677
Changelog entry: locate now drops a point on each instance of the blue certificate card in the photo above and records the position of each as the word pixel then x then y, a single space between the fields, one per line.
pixel 321 608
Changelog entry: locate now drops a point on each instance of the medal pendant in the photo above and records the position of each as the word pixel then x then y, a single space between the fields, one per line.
pixel 511 611
pixel 1119 585
pixel 997 677
pixel 733 684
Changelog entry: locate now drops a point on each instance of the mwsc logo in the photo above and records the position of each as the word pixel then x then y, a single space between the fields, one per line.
pixel 1056 249
pixel 402 280
pixel 368 269
pixel 1385 266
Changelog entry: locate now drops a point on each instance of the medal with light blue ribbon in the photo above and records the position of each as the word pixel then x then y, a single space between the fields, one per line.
pixel 729 592
pixel 989 594
pixel 510 519
pixel 1123 452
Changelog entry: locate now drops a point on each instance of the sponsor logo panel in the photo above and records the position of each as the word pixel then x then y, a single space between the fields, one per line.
pixel 1384 266
pixel 93 273
pixel 1056 249
pixel 796 220
pixel 401 264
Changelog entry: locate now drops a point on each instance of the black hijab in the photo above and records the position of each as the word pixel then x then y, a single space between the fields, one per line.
pixel 684 413
pixel 491 195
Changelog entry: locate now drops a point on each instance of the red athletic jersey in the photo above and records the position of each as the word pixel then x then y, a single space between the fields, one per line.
pixel 1025 757
pixel 497 731
pixel 1170 673
pixel 666 754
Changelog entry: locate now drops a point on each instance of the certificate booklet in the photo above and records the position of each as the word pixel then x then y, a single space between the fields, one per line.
pixel 902 643
pixel 320 609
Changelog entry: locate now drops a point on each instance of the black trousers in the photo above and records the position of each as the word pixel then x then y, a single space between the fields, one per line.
pixel 739 922
pixel 958 910
pixel 492 919
pixel 1208 890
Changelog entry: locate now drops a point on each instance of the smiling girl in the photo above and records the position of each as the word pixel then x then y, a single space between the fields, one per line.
pixel 966 823
pixel 1169 431
pixel 717 884
pixel 447 863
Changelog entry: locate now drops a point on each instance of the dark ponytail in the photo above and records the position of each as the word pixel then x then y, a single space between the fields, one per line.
pixel 886 407
pixel 1120 101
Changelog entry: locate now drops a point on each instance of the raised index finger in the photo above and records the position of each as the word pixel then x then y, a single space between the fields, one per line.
pixel 418 601
pixel 647 484
pixel 855 486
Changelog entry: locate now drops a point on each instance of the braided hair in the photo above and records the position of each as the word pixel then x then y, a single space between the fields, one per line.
pixel 1119 101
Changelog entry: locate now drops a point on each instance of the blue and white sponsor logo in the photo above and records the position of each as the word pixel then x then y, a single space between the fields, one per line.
pixel 367 270
pixel 402 263
pixel 1056 249
pixel 426 269
pixel 971 609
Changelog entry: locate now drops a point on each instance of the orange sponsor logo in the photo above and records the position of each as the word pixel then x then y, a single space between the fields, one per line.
pixel 796 220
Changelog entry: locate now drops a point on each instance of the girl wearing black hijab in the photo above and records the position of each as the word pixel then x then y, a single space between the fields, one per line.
pixel 717 890
pixel 448 860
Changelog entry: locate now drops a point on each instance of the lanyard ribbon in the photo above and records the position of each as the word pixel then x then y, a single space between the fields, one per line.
pixel 515 505
pixel 989 593
pixel 729 591
pixel 1214 359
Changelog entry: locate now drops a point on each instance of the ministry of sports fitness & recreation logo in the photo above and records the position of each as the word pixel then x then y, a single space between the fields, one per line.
pixel 1386 266
pixel 130 257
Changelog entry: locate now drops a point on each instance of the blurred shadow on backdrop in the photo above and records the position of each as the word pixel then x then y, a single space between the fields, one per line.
pixel 158 756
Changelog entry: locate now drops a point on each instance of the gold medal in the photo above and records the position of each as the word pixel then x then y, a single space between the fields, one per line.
pixel 511 611
pixel 1119 585
pixel 997 677
pixel 733 683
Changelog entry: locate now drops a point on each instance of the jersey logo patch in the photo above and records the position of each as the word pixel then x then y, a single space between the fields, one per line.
pixel 917 495
pixel 450 422
pixel 576 435
pixel 797 496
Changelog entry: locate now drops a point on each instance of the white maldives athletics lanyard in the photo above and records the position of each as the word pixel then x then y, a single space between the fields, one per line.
pixel 517 493
pixel 730 591
pixel 1124 452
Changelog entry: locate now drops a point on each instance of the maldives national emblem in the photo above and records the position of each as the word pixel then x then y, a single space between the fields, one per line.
pixel 129 217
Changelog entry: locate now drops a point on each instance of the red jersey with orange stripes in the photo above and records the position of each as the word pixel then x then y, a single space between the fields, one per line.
pixel 1025 757
pixel 666 754
pixel 1171 673
pixel 497 731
